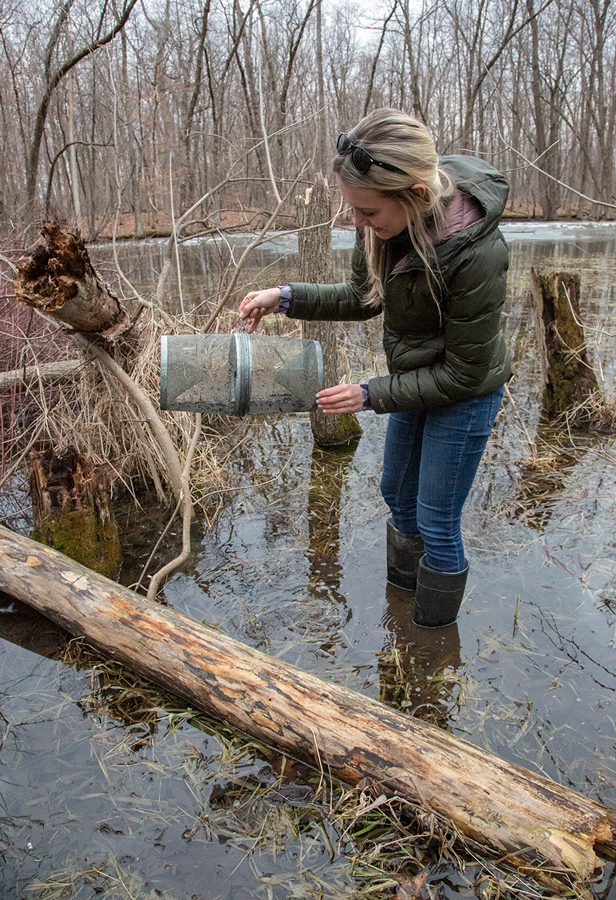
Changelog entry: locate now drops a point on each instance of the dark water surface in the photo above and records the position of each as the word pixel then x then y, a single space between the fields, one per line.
pixel 98 795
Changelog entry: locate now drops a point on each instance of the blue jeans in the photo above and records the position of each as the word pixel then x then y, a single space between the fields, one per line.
pixel 431 459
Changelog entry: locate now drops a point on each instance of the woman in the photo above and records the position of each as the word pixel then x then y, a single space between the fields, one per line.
pixel 430 258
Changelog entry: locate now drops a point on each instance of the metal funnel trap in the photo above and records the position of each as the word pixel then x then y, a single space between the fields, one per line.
pixel 239 374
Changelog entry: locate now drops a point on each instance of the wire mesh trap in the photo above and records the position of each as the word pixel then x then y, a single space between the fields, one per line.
pixel 239 374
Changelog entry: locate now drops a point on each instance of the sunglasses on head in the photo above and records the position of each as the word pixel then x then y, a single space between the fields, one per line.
pixel 360 158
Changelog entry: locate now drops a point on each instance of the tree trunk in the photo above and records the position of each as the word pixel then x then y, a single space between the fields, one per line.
pixel 315 266
pixel 495 802
pixel 545 152
pixel 567 374
pixel 134 153
pixel 321 152
pixel 54 78
pixel 58 278
pixel 71 503
pixel 72 152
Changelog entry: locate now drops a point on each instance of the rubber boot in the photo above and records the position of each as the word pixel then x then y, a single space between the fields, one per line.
pixel 438 596
pixel 403 554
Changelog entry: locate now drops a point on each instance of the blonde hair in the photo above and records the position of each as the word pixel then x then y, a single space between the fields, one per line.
pixel 394 137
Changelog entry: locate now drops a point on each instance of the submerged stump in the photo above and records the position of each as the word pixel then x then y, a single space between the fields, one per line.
pixel 316 266
pixel 71 502
pixel 568 376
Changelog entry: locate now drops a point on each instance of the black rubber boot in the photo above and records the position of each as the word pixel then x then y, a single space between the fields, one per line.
pixel 438 596
pixel 403 554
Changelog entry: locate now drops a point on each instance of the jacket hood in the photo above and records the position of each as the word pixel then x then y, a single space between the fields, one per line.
pixel 481 181
pixel 485 184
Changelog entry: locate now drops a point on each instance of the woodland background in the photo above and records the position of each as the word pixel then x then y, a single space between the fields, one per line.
pixel 147 106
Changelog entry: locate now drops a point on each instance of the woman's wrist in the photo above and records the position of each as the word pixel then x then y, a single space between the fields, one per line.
pixel 285 298
pixel 365 395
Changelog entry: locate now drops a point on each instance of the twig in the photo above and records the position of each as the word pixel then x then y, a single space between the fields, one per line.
pixel 532 446
pixel 156 546
pixel 533 165
pixel 584 327
pixel 259 239
pixel 184 220
pixel 23 455
pixel 9 262
pixel 175 237
pixel 119 192
pixel 562 184
pixel 186 499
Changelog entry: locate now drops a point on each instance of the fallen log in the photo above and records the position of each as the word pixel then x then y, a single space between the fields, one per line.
pixel 46 373
pixel 499 804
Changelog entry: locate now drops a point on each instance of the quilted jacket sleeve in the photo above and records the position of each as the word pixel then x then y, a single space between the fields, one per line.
pixel 335 302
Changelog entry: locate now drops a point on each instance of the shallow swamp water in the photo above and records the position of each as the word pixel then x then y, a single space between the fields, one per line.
pixel 109 787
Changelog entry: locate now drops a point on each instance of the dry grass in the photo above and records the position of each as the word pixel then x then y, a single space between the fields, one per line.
pixel 597 412
pixel 95 415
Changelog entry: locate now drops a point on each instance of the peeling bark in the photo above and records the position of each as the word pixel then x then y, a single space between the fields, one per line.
pixel 501 805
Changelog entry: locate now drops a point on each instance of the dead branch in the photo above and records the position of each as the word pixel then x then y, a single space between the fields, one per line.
pixel 259 239
pixel 187 504
pixel 53 372
pixel 58 278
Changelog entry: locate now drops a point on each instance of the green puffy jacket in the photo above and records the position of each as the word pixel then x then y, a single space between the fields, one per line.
pixel 436 353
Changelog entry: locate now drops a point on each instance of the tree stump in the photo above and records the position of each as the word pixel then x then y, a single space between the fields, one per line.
pixel 71 501
pixel 568 377
pixel 58 278
pixel 316 267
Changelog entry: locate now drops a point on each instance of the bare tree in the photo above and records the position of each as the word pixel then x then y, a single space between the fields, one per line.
pixel 200 79
pixel 54 72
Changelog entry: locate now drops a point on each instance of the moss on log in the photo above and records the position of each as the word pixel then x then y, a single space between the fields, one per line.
pixel 568 376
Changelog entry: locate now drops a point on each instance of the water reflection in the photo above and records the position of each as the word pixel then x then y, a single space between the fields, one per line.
pixel 22 625
pixel 328 470
pixel 417 666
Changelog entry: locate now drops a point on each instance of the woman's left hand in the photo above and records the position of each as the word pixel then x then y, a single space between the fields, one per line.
pixel 343 398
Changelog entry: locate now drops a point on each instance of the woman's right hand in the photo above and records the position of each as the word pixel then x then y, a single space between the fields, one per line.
pixel 257 304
